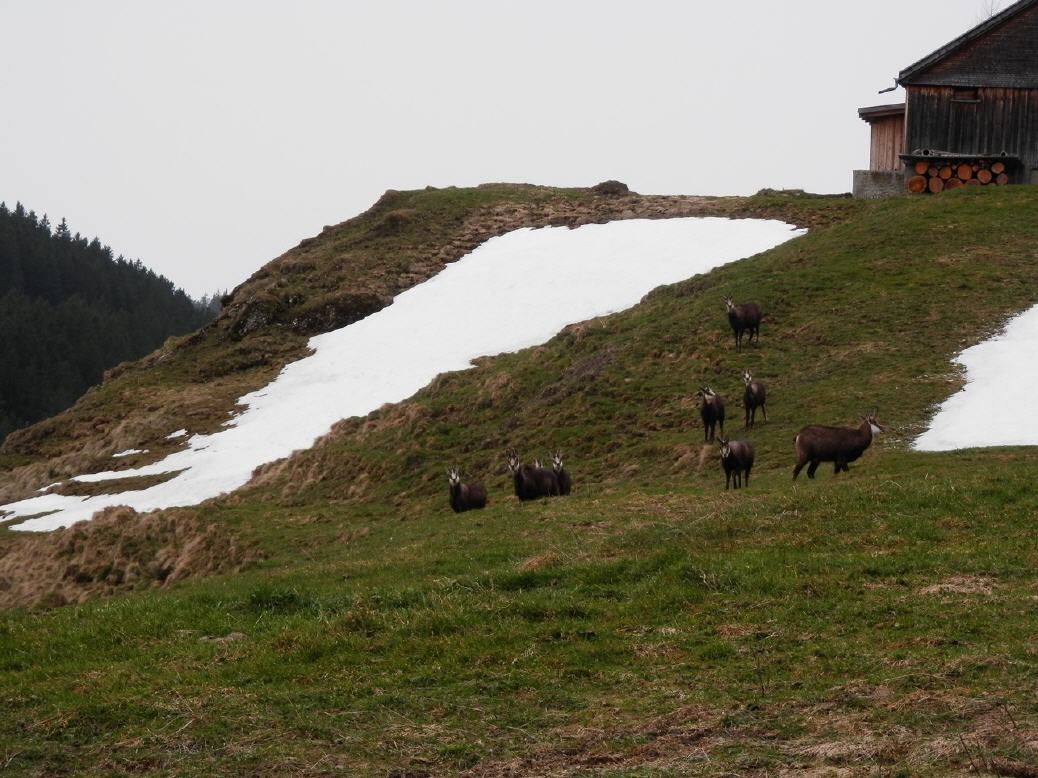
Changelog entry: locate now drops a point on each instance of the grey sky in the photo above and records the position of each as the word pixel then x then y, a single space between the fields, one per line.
pixel 206 138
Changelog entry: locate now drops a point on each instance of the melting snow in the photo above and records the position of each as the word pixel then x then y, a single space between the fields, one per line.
pixel 177 434
pixel 129 452
pixel 988 410
pixel 512 292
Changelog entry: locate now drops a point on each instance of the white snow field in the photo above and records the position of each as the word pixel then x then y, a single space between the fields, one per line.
pixel 995 407
pixel 512 292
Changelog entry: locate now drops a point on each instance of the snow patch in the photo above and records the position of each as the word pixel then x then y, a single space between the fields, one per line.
pixel 994 407
pixel 510 293
pixel 177 434
pixel 129 452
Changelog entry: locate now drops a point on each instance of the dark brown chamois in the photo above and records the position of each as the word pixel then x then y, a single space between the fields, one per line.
pixel 547 480
pixel 531 482
pixel 745 319
pixel 465 497
pixel 565 483
pixel 839 445
pixel 753 397
pixel 711 411
pixel 736 461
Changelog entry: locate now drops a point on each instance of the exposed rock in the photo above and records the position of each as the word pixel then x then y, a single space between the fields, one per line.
pixel 611 187
pixel 255 315
pixel 336 312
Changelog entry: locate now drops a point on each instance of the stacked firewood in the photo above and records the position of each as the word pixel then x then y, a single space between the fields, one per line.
pixel 937 175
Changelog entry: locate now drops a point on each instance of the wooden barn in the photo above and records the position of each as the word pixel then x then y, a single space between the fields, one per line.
pixel 970 116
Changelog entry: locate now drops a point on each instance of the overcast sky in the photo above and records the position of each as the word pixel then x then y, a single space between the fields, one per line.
pixel 206 138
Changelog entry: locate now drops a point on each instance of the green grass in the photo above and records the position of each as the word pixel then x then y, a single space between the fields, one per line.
pixel 649 624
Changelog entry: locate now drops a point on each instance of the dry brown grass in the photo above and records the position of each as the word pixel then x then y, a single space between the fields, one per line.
pixel 119 550
pixel 961 584
pixel 678 740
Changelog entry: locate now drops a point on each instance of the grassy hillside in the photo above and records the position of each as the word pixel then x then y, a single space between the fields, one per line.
pixel 879 622
pixel 346 272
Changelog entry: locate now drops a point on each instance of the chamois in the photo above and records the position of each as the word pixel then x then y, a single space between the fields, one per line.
pixel 531 482
pixel 736 461
pixel 744 318
pixel 547 480
pixel 565 484
pixel 753 397
pixel 839 445
pixel 711 411
pixel 465 497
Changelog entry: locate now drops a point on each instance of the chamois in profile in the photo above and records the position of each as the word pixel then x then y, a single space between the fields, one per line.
pixel 465 497
pixel 839 445
pixel 753 397
pixel 531 482
pixel 736 461
pixel 565 484
pixel 711 411
pixel 745 319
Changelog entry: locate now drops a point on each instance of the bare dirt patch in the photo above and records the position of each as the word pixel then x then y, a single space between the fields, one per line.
pixel 119 550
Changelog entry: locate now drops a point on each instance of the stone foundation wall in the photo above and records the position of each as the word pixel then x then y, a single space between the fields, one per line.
pixel 877 184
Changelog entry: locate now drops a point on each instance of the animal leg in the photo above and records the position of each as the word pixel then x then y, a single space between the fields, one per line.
pixel 812 467
pixel 764 410
pixel 796 470
pixel 727 479
pixel 747 476
pixel 838 466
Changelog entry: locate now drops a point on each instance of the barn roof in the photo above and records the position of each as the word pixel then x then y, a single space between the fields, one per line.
pixel 875 112
pixel 965 39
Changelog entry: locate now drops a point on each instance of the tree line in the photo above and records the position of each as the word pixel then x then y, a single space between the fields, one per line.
pixel 70 309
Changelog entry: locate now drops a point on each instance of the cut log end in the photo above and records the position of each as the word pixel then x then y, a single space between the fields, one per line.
pixel 964 172
pixel 936 185
pixel 916 184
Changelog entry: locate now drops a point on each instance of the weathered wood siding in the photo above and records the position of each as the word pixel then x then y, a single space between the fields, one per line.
pixel 1007 56
pixel 888 141
pixel 998 120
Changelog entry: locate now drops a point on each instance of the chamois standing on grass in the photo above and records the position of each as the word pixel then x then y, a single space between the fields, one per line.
pixel 531 482
pixel 744 318
pixel 547 480
pixel 711 411
pixel 736 461
pixel 465 497
pixel 565 484
pixel 753 397
pixel 839 445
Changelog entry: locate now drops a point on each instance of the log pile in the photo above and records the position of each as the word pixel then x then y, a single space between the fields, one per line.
pixel 936 175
